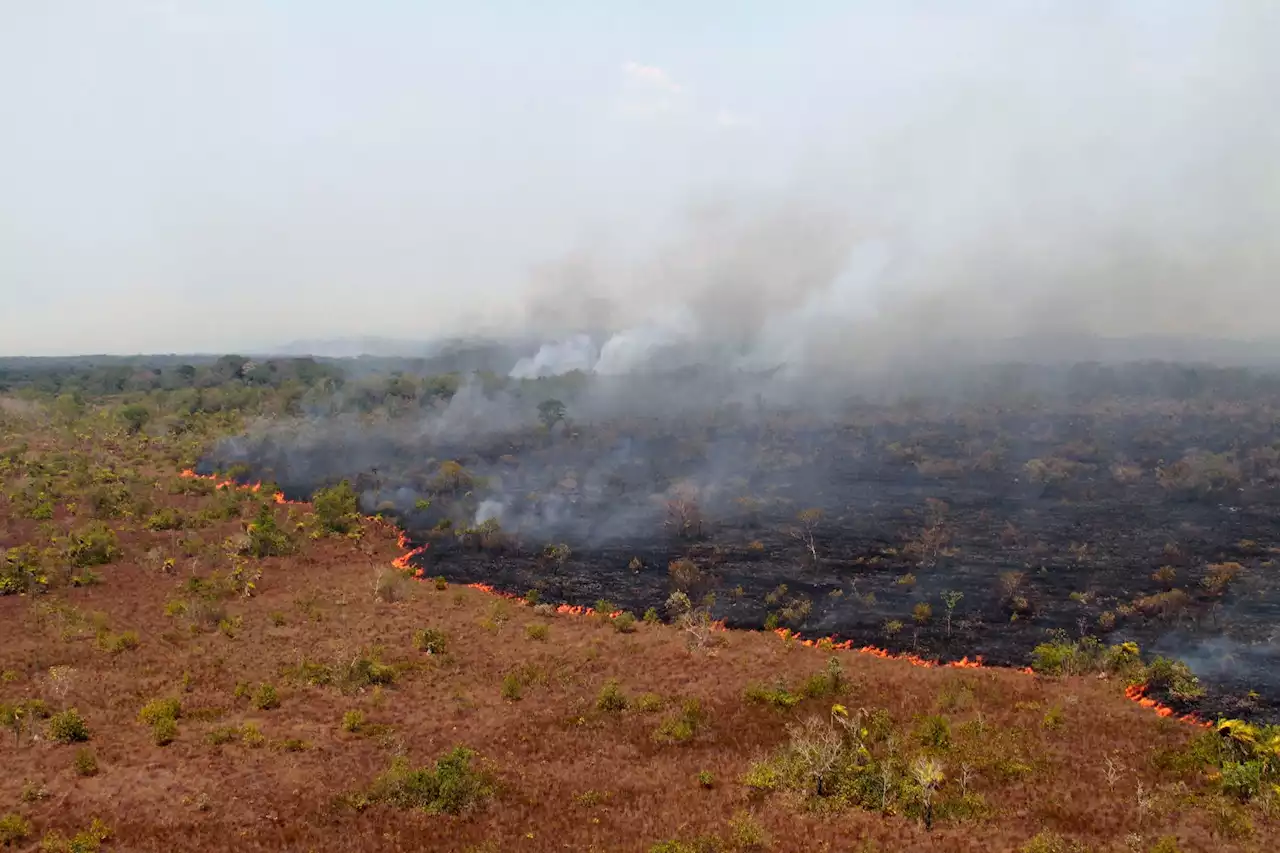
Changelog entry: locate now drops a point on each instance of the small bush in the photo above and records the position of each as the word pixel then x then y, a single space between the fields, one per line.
pixel 93 545
pixel 625 623
pixel 431 641
pixel 14 828
pixel 167 518
pixel 222 735
pixel 1052 842
pixel 86 841
pixel 776 696
pixel 830 682
pixel 164 731
pixel 85 763
pixel 512 689
pixel 160 709
pixel 352 721
pixel 115 644
pixel 251 736
pixel 265 697
pixel 651 616
pixel 537 631
pixel 934 731
pixel 336 509
pixel 67 727
pixel 611 698
pixel 746 834
pixel 266 539
pixel 454 785
pixel 706 780
pixel 648 703
pixel 682 727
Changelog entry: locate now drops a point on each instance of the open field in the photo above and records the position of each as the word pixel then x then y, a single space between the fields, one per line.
pixel 255 674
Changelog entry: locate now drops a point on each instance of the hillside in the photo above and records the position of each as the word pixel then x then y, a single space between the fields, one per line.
pixel 251 674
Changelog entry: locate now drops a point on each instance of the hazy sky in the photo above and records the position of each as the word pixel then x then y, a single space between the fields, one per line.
pixel 179 176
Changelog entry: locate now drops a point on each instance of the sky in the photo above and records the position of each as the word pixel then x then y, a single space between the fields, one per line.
pixel 212 176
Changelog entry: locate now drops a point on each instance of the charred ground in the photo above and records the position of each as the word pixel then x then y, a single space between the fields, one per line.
pixel 982 515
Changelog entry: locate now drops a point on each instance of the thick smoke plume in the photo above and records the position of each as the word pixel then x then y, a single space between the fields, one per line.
pixel 1038 170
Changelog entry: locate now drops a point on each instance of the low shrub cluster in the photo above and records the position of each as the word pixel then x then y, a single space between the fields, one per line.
pixel 1061 656
pixel 162 715
pixel 455 784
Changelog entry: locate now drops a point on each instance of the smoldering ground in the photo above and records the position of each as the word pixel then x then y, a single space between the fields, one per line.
pixel 1014 505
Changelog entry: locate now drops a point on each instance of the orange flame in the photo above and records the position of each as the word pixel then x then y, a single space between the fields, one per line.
pixel 220 483
pixel 1138 693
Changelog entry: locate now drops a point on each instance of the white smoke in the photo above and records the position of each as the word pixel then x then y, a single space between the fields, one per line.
pixel 489 510
pixel 557 358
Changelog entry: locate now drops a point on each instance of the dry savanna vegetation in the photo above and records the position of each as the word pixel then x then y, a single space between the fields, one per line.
pixel 188 665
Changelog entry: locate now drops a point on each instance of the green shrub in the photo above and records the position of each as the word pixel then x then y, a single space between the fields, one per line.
pixel 625 623
pixel 611 698
pixel 85 763
pixel 829 682
pixel 431 641
pixel 251 736
pixel 651 616
pixel 454 785
pixel 164 731
pixel 93 545
pixel 649 702
pixel 117 643
pixel 336 508
pixel 537 631
pixel 20 571
pixel 222 735
pixel 365 672
pixel 265 697
pixel 166 518
pixel 706 779
pixel 512 689
pixel 353 721
pixel 14 829
pixel 160 709
pixel 86 841
pixel 266 539
pixel 1052 842
pixel 67 727
pixel 681 727
pixel 776 696
pixel 934 731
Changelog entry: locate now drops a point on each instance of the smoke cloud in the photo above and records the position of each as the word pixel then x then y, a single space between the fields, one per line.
pixel 1051 171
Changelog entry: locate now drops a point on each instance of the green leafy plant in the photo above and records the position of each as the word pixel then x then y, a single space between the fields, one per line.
pixel 67 727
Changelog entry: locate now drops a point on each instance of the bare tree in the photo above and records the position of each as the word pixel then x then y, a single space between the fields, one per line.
pixel 809 520
pixel 1112 772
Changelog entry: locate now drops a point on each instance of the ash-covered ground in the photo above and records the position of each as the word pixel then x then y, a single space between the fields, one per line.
pixel 980 514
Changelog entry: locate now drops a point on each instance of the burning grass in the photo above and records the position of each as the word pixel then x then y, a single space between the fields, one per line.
pixel 203 737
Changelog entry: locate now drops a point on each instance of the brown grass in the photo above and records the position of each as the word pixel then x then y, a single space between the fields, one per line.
pixel 571 776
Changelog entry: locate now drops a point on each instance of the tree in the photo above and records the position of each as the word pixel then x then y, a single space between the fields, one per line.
pixel 135 417
pixel 809 520
pixel 929 776
pixel 551 412
pixel 951 598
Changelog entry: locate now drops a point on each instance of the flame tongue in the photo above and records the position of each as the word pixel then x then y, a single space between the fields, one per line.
pixel 1138 693
pixel 1135 693
pixel 221 483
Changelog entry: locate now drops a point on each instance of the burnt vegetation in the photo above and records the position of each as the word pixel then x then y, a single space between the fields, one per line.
pixel 972 516
pixel 253 661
